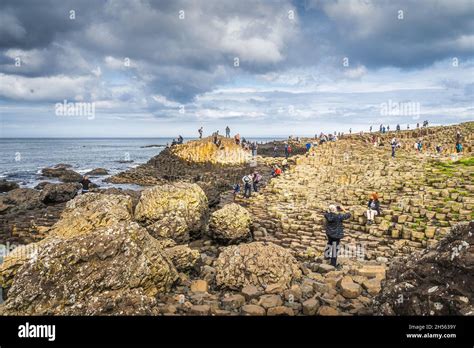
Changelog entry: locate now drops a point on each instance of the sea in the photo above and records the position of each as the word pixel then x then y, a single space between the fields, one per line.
pixel 22 159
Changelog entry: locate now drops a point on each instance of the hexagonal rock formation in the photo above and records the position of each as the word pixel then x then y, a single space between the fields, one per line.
pixel 90 211
pixel 173 211
pixel 230 224
pixel 435 281
pixel 259 264
pixel 113 270
pixel 205 151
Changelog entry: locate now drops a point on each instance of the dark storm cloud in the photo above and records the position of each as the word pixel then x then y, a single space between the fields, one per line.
pixel 376 34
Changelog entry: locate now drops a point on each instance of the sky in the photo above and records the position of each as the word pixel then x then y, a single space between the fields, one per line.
pixel 146 68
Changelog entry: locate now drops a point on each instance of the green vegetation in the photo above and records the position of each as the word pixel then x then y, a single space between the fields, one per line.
pixel 449 168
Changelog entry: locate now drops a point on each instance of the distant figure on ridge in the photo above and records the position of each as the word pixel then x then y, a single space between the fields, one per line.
pixel 200 133
pixel 394 144
pixel 334 231
pixel 373 208
pixel 227 132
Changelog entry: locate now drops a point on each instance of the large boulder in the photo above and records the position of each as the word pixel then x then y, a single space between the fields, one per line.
pixel 98 171
pixel 6 186
pixel 57 193
pixel 174 211
pixel 183 257
pixel 230 224
pixel 259 264
pixel 435 281
pixel 111 270
pixel 90 211
pixel 22 199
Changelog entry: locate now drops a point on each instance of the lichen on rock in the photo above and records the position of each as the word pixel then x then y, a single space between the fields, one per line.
pixel 230 224
pixel 111 270
pixel 259 264
pixel 174 211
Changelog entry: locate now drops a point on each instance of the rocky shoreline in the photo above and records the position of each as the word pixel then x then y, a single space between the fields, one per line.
pixel 183 246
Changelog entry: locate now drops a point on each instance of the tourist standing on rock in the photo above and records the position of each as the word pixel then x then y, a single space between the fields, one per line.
pixel 334 231
pixel 438 148
pixel 247 180
pixel 237 139
pixel 256 177
pixel 85 182
pixel 227 132
pixel 180 139
pixel 398 128
pixel 287 151
pixel 394 144
pixel 200 133
pixel 236 189
pixel 254 148
pixel 458 147
pixel 370 129
pixel 373 208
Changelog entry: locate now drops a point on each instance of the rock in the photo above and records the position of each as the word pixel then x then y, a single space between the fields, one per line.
pixel 435 281
pixel 269 301
pixel 184 258
pixel 57 193
pixel 90 211
pixel 200 309
pixel 327 311
pixel 173 211
pixel 233 302
pixel 230 224
pixel 371 271
pixel 372 286
pixel 98 171
pixel 325 268
pixel 310 307
pixel 251 309
pixel 62 173
pixel 13 261
pixel 349 289
pixel 22 199
pixel 280 310
pixel 6 186
pixel 113 270
pixel 250 292
pixel 259 264
pixel 199 286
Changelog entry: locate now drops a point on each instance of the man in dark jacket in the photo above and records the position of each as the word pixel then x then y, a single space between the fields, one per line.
pixel 85 184
pixel 334 231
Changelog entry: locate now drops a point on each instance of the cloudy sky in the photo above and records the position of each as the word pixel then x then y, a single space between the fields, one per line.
pixel 265 68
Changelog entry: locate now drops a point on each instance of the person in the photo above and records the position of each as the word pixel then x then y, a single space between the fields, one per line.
pixel 418 124
pixel 420 146
pixel 227 132
pixel 174 142
pixel 458 147
pixel 237 139
pixel 247 180
pixel 383 129
pixel 334 231
pixel 308 146
pixel 398 127
pixel 236 189
pixel 350 130
pixel 380 128
pixel 85 184
pixel 276 171
pixel 408 126
pixel 180 139
pixel 370 129
pixel 438 148
pixel 286 150
pixel 200 133
pixel 289 150
pixel 388 128
pixel 373 208
pixel 275 151
pixel 394 144
pixel 254 149
pixel 458 136
pixel 256 177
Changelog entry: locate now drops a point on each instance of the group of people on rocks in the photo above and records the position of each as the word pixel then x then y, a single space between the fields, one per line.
pixel 250 182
